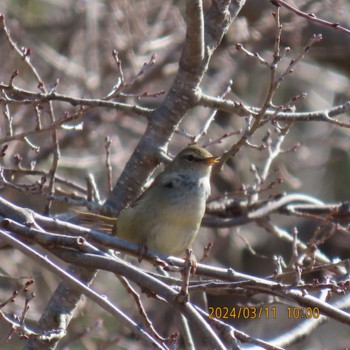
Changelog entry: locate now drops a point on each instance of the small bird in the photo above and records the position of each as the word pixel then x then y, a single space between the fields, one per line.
pixel 167 216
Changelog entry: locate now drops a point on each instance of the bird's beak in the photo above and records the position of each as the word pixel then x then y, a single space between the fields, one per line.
pixel 211 160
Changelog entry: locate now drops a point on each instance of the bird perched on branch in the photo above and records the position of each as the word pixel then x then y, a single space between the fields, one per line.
pixel 167 216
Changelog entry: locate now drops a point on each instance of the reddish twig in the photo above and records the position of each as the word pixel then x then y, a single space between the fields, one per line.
pixel 311 16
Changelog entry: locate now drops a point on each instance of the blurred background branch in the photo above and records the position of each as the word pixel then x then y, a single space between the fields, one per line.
pixel 95 95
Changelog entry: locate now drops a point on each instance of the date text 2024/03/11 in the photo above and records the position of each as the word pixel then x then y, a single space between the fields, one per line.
pixel 253 312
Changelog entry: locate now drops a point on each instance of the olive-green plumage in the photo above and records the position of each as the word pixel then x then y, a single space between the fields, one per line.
pixel 167 216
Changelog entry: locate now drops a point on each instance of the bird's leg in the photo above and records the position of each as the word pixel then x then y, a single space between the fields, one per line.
pixel 142 251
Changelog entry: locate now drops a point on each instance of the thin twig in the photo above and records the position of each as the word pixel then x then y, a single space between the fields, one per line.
pixel 311 16
pixel 108 143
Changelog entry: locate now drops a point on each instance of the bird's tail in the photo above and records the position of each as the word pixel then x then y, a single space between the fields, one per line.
pixel 96 221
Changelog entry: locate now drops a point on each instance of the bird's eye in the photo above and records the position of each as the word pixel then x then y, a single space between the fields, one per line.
pixel 190 158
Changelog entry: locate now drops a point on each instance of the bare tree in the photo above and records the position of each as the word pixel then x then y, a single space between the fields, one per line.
pixel 96 95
